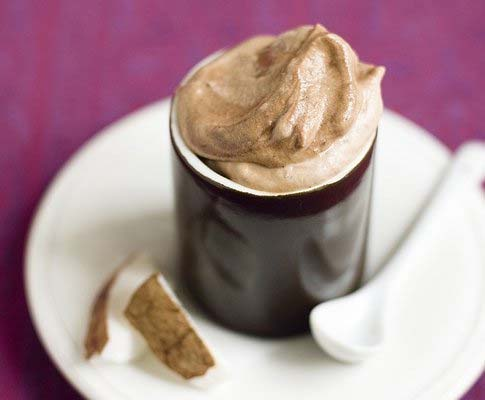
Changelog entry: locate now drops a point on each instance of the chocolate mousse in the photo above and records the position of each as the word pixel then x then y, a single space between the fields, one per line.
pixel 282 114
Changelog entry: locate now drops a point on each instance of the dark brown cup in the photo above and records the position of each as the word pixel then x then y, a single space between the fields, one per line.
pixel 260 263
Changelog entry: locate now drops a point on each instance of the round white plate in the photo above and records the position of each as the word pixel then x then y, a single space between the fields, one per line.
pixel 115 196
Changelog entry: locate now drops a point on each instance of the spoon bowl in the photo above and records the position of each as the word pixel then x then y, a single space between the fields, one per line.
pixel 350 328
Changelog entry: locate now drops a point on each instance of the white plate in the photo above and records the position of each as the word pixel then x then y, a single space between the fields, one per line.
pixel 115 196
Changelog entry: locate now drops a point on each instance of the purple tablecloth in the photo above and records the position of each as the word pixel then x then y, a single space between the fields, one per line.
pixel 68 68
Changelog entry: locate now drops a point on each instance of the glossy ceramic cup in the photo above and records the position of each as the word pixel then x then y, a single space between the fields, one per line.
pixel 258 262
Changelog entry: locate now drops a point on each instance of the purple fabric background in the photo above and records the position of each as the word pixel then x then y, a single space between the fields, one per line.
pixel 68 68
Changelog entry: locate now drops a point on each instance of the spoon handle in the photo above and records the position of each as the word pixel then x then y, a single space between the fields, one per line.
pixel 464 177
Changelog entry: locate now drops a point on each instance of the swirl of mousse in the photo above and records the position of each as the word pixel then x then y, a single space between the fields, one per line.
pixel 282 114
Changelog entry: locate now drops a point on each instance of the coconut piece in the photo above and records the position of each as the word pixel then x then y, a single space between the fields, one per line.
pixel 169 331
pixel 110 336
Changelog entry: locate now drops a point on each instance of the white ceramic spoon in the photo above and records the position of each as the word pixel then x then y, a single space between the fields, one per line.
pixel 353 327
